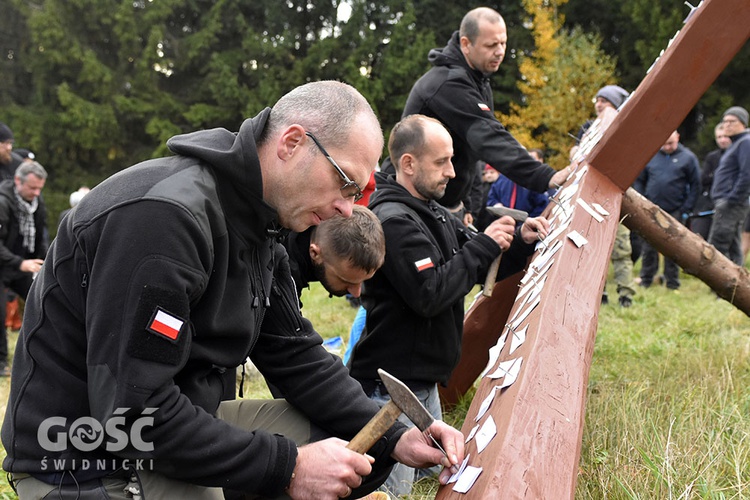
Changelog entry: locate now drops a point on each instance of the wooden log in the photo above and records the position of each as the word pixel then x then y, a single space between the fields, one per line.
pixel 689 250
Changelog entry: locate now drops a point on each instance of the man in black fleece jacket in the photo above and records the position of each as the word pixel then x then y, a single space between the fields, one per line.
pixel 166 276
pixel 415 302
pixel 457 92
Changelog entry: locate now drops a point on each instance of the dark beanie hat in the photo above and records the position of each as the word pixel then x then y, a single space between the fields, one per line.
pixel 7 135
pixel 614 94
pixel 739 112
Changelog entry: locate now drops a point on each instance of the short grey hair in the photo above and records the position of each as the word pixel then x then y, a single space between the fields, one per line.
pixel 30 167
pixel 328 109
pixel 470 23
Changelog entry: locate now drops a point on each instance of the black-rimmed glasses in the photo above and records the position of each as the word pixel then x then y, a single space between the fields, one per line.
pixel 350 188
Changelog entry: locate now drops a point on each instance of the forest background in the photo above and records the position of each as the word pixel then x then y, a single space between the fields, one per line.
pixel 93 86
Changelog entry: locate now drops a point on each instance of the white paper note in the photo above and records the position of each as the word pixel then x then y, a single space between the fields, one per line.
pixel 600 209
pixel 512 373
pixel 495 352
pixel 521 317
pixel 467 479
pixel 485 434
pixel 593 213
pixel 472 433
pixel 519 338
pixel 486 402
pixel 576 238
pixel 455 476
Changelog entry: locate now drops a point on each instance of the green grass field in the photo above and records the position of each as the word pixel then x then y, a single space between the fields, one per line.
pixel 668 413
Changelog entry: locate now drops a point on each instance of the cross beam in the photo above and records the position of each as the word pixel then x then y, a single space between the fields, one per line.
pixel 539 418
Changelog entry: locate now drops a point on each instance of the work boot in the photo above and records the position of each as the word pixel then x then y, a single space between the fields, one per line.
pixel 625 301
pixel 605 298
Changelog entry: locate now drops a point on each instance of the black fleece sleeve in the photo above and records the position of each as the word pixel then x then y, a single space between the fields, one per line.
pixel 290 355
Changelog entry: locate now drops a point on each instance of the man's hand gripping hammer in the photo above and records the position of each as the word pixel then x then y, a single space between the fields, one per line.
pixel 403 401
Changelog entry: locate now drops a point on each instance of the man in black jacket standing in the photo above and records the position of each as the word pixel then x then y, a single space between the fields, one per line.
pixel 167 275
pixel 23 245
pixel 457 92
pixel 415 302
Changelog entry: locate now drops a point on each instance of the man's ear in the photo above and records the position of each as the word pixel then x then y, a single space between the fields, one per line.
pixel 290 140
pixel 315 253
pixel 465 43
pixel 407 164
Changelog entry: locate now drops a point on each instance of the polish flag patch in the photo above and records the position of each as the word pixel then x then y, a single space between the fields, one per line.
pixel 423 264
pixel 165 324
pixel 483 106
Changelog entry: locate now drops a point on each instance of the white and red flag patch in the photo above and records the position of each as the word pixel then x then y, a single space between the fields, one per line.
pixel 166 324
pixel 423 264
pixel 483 106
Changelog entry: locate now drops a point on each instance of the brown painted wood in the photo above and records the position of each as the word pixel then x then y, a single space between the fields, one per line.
pixel 483 325
pixel 539 418
pixel 689 250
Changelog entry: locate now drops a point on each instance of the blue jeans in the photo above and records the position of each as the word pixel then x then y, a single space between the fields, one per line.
pixel 402 476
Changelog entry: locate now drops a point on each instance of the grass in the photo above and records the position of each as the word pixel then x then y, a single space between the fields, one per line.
pixel 668 412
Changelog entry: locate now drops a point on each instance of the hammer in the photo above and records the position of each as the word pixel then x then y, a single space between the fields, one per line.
pixel 403 401
pixel 518 216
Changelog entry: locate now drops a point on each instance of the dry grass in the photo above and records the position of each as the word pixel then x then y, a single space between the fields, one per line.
pixel 667 415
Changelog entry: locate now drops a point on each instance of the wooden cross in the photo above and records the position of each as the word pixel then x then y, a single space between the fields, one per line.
pixel 539 418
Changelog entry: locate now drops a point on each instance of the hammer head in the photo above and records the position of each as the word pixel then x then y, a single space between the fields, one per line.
pixel 518 215
pixel 406 401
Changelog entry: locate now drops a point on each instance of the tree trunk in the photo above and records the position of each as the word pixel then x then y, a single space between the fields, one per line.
pixel 689 250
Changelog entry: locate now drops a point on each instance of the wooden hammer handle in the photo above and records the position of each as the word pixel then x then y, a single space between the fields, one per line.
pixel 489 281
pixel 375 428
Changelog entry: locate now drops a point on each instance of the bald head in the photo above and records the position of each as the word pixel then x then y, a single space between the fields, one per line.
pixel 670 146
pixel 332 110
pixel 470 24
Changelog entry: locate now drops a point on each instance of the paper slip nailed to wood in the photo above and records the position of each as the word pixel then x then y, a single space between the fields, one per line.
pixel 576 238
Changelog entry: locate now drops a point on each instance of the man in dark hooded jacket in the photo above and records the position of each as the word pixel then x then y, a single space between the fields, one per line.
pixel 457 92
pixel 170 273
pixel 415 302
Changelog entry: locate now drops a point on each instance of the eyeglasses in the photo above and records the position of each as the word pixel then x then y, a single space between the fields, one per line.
pixel 729 120
pixel 350 188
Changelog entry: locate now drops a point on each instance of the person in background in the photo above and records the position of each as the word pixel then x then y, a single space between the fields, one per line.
pixel 506 193
pixel 731 187
pixel 169 274
pixel 700 223
pixel 9 159
pixel 73 200
pixel 456 91
pixel 671 180
pixel 415 302
pixel 23 219
pixel 614 96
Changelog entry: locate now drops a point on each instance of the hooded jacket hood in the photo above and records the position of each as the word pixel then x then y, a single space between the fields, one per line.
pixel 451 55
pixel 234 159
